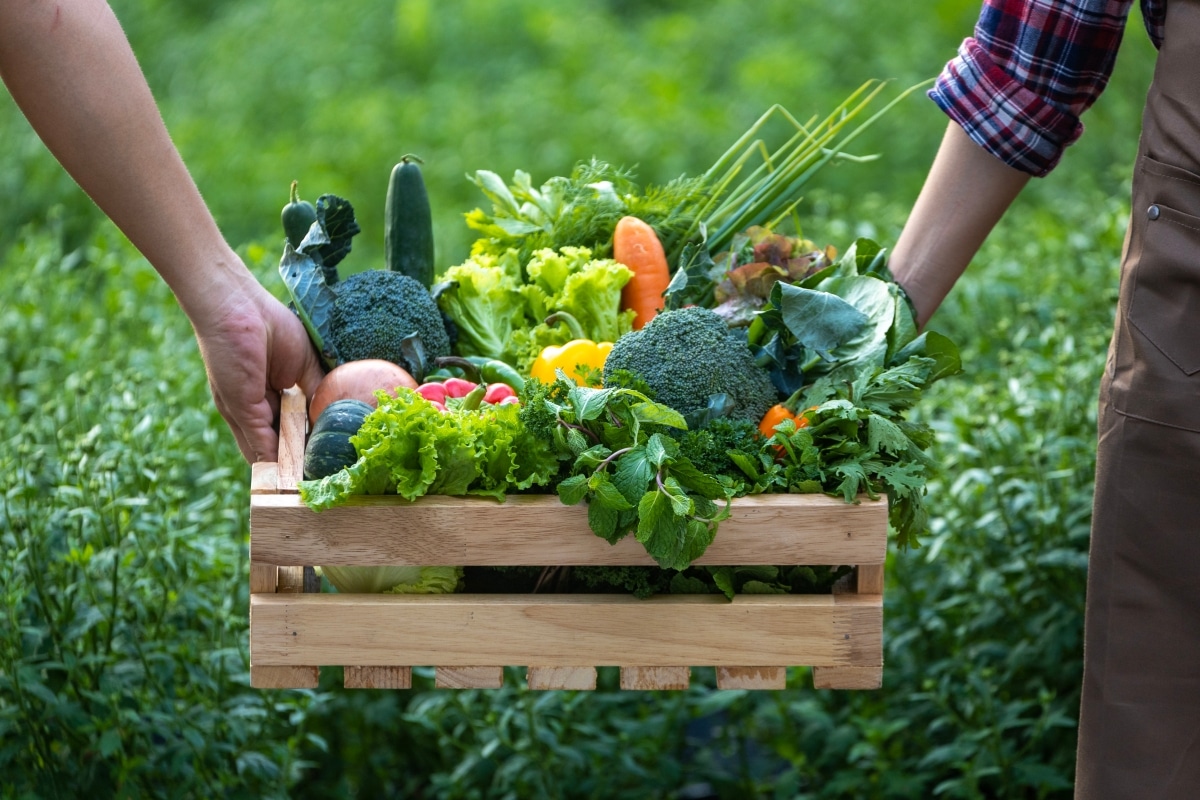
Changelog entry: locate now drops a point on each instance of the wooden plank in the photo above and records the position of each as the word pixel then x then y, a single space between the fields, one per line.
pixel 468 677
pixel 378 678
pixel 847 677
pixel 268 677
pixel 293 422
pixel 549 678
pixel 566 630
pixel 539 529
pixel 264 477
pixel 263 578
pixel 870 579
pixel 655 678
pixel 751 677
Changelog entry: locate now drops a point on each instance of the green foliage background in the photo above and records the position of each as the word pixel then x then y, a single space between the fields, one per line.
pixel 123 499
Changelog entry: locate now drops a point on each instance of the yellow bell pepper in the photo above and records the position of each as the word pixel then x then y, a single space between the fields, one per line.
pixel 575 353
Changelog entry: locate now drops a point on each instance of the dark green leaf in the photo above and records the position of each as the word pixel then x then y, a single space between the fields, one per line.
pixel 573 489
pixel 819 320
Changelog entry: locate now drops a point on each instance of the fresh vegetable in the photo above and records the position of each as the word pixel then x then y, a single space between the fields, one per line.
pixel 297 217
pixel 570 357
pixel 483 370
pixel 636 245
pixel 329 448
pixel 309 271
pixel 499 303
pixel 328 452
pixel 345 416
pixel 573 281
pixel 407 446
pixel 688 357
pixel 358 380
pixel 849 313
pixel 579 210
pixel 378 314
pixel 408 223
pixel 482 297
pixel 777 414
pixel 498 392
pixel 393 580
pixel 630 471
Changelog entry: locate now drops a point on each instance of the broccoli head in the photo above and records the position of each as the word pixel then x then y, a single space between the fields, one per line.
pixel 688 355
pixel 375 310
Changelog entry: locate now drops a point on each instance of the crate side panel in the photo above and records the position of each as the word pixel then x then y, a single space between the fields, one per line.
pixel 565 630
pixel 772 529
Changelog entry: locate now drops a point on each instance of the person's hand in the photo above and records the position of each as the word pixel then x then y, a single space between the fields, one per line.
pixel 253 348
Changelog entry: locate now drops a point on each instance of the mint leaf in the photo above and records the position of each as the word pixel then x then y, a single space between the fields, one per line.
pixel 588 402
pixel 658 414
pixel 604 522
pixel 573 489
pixel 606 494
pixel 634 472
pixel 661 532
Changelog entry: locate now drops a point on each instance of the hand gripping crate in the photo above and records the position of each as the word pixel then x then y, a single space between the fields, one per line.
pixel 468 638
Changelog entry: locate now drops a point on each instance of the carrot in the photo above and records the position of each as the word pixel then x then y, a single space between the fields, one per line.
pixel 636 245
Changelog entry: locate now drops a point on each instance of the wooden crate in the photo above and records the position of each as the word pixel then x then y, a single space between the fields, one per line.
pixel 561 639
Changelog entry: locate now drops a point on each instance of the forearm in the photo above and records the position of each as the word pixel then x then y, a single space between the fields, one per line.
pixel 965 194
pixel 71 71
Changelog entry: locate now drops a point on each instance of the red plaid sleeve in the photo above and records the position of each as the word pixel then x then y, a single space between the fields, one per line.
pixel 1019 86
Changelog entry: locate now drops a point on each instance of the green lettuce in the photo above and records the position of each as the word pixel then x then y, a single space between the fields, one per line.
pixel 482 297
pixel 407 446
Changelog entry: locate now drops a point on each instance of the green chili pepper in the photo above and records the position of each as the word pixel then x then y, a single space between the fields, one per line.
pixel 474 398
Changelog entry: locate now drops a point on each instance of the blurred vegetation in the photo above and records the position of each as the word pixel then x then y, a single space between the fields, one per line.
pixel 123 666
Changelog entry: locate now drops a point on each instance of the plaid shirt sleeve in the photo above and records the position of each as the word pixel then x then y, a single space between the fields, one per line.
pixel 1019 86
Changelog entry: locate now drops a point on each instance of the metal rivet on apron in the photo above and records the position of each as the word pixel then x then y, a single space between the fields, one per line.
pixel 1152 212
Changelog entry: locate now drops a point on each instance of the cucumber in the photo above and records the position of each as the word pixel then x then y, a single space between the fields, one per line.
pixel 297 217
pixel 408 224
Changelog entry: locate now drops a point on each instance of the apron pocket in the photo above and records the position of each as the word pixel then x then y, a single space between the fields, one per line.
pixel 1160 352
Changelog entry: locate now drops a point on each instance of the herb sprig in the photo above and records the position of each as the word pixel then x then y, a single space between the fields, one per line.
pixel 631 472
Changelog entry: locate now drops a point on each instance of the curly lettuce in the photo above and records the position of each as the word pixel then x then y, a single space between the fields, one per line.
pixel 407 446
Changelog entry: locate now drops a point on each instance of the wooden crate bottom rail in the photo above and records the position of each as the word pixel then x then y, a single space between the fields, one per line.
pixel 754 637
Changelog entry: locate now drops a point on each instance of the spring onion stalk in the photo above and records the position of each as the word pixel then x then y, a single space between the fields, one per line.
pixel 770 192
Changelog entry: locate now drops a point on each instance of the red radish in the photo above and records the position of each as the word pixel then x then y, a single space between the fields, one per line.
pixel 457 387
pixel 511 400
pixel 433 392
pixel 497 392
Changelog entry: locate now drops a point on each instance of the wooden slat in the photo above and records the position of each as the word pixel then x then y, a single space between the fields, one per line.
pixel 847 677
pixel 468 677
pixel 566 630
pixel 870 579
pixel 549 678
pixel 293 422
pixel 263 578
pixel 538 529
pixel 378 678
pixel 751 677
pixel 655 678
pixel 264 477
pixel 266 677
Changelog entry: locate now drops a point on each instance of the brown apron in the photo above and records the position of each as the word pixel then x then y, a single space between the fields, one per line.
pixel 1139 727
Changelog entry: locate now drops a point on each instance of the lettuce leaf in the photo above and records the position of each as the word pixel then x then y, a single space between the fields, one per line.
pixel 409 447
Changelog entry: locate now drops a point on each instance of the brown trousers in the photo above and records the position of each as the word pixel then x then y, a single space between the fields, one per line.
pixel 1139 728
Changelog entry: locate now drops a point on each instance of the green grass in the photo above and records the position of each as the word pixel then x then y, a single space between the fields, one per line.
pixel 123 500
